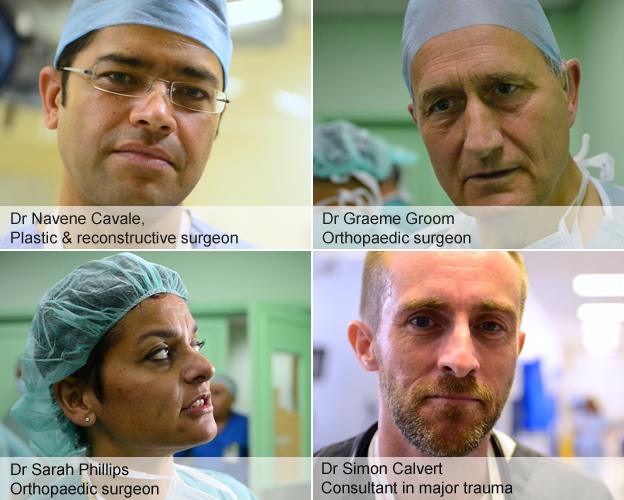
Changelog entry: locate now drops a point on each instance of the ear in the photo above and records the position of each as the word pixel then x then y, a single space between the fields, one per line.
pixel 361 340
pixel 411 111
pixel 50 92
pixel 521 337
pixel 75 401
pixel 572 69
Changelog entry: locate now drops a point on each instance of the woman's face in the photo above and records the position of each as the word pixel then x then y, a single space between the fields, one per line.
pixel 153 380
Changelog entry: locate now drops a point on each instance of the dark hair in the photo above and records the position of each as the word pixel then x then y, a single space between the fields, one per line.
pixel 91 374
pixel 67 58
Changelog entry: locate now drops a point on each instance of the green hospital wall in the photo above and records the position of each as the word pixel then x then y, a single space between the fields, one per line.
pixel 601 43
pixel 357 76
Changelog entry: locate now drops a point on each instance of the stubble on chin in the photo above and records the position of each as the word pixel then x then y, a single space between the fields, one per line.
pixel 446 429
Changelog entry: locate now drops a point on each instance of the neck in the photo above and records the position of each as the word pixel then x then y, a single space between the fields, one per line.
pixel 521 226
pixel 566 187
pixel 162 457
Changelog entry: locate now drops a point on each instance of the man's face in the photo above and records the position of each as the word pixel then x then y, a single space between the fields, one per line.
pixel 494 118
pixel 446 346
pixel 139 150
pixel 150 378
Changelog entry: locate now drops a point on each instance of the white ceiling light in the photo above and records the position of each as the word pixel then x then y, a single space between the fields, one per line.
pixel 599 285
pixel 291 103
pixel 601 313
pixel 253 11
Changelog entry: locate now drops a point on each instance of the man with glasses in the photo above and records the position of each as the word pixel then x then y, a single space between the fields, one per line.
pixel 136 95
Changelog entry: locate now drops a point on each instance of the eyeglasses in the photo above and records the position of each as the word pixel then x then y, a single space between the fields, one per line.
pixel 116 79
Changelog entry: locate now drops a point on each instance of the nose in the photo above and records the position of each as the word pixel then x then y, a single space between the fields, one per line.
pixel 197 369
pixel 154 112
pixel 483 137
pixel 457 354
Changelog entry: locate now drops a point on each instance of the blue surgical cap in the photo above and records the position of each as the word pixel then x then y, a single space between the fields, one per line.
pixel 425 19
pixel 203 20
pixel 341 148
pixel 226 381
pixel 70 320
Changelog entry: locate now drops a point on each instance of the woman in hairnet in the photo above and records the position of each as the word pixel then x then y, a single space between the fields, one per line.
pixel 112 368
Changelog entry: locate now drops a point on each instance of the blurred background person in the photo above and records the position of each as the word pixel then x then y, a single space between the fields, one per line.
pixel 355 167
pixel 232 427
pixel 9 422
pixel 590 428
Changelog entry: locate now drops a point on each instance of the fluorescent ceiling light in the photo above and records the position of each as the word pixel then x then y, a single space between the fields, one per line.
pixel 601 339
pixel 599 285
pixel 253 11
pixel 291 103
pixel 601 313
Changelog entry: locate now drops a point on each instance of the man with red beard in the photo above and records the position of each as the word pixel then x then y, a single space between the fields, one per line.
pixel 442 330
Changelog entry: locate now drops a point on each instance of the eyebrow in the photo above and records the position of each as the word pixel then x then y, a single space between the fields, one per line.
pixel 412 305
pixel 133 62
pixel 491 305
pixel 185 71
pixel 434 93
pixel 163 334
pixel 438 303
pixel 197 74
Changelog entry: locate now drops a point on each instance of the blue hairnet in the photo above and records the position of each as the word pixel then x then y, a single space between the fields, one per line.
pixel 226 381
pixel 70 320
pixel 203 20
pixel 425 19
pixel 341 148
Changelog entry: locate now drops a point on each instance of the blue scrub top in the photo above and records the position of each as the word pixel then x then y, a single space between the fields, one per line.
pixel 232 441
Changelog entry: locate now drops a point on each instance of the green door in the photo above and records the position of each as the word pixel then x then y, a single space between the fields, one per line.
pixel 279 338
